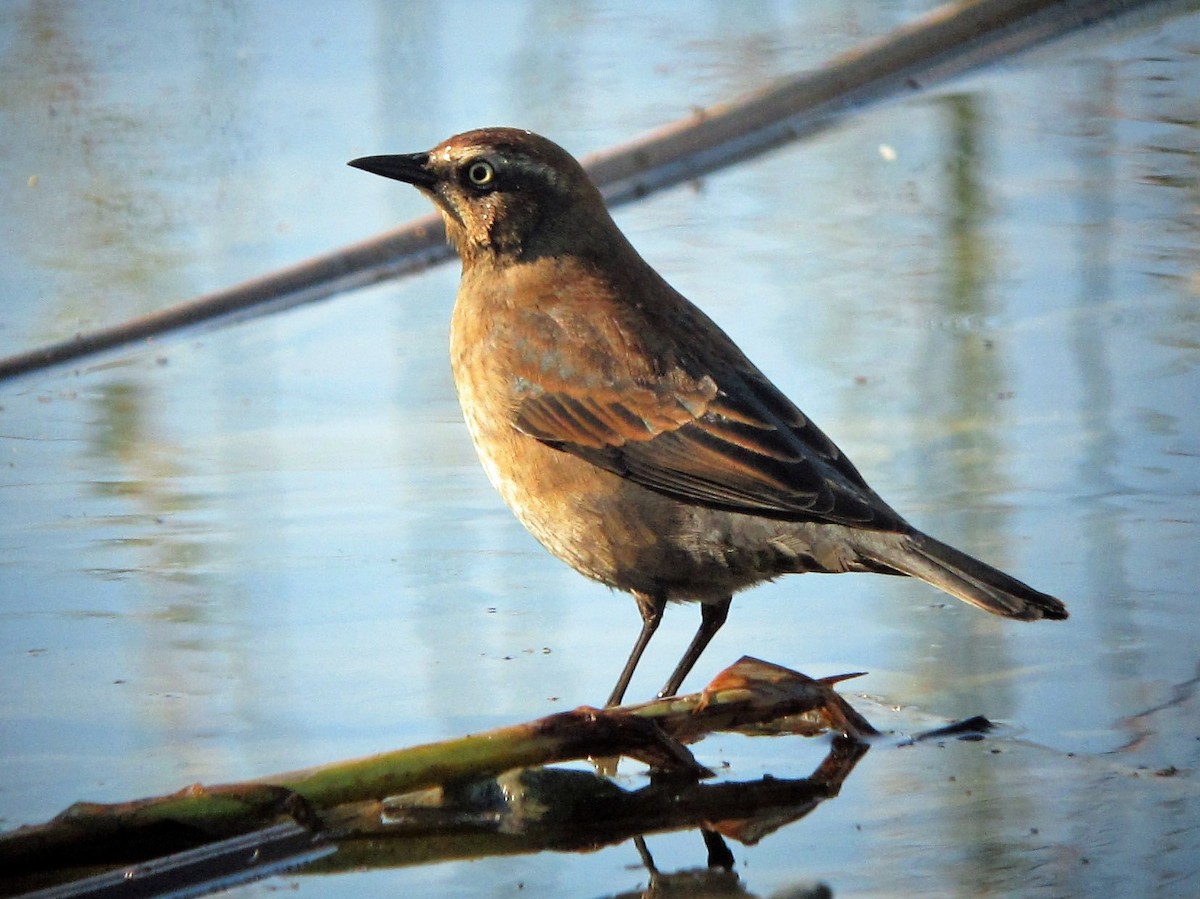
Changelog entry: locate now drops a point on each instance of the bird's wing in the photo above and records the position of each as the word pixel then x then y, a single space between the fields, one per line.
pixel 738 444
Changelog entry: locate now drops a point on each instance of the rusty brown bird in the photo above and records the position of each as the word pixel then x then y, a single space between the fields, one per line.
pixel 625 429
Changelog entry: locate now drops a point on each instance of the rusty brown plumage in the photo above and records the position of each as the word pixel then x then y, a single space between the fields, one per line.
pixel 624 428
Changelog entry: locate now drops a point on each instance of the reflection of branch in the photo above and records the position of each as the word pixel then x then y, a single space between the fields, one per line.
pixel 542 809
pixel 749 694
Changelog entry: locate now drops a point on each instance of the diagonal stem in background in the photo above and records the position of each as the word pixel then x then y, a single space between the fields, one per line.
pixel 945 43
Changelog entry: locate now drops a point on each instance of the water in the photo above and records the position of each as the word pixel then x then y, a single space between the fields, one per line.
pixel 253 549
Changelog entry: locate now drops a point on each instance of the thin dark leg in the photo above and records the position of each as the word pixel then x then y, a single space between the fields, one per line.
pixel 647 859
pixel 712 616
pixel 651 607
pixel 719 855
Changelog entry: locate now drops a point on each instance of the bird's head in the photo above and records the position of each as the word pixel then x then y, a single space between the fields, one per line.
pixel 503 192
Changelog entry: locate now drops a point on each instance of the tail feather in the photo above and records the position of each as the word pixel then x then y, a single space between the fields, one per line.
pixel 970 580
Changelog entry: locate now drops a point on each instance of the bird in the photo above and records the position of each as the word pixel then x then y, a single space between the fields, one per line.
pixel 625 429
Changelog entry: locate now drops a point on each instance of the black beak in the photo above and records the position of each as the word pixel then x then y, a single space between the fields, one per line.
pixel 409 167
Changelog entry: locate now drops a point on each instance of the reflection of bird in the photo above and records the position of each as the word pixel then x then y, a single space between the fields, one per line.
pixel 624 428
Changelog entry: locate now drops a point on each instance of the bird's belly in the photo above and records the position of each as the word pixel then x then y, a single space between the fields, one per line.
pixel 580 513
pixel 626 536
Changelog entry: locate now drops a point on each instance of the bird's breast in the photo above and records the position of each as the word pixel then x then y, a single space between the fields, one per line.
pixel 566 503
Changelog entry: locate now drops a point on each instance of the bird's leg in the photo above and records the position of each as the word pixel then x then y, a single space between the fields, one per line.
pixel 712 616
pixel 651 605
pixel 647 859
pixel 719 855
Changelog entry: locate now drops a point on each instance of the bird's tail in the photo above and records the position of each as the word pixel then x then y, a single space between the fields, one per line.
pixel 970 580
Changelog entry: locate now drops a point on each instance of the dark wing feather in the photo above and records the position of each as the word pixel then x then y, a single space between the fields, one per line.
pixel 737 445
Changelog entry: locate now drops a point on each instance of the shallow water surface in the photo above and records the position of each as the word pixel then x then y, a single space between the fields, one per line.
pixel 252 549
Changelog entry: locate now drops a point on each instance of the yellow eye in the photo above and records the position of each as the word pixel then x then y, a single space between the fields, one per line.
pixel 481 173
